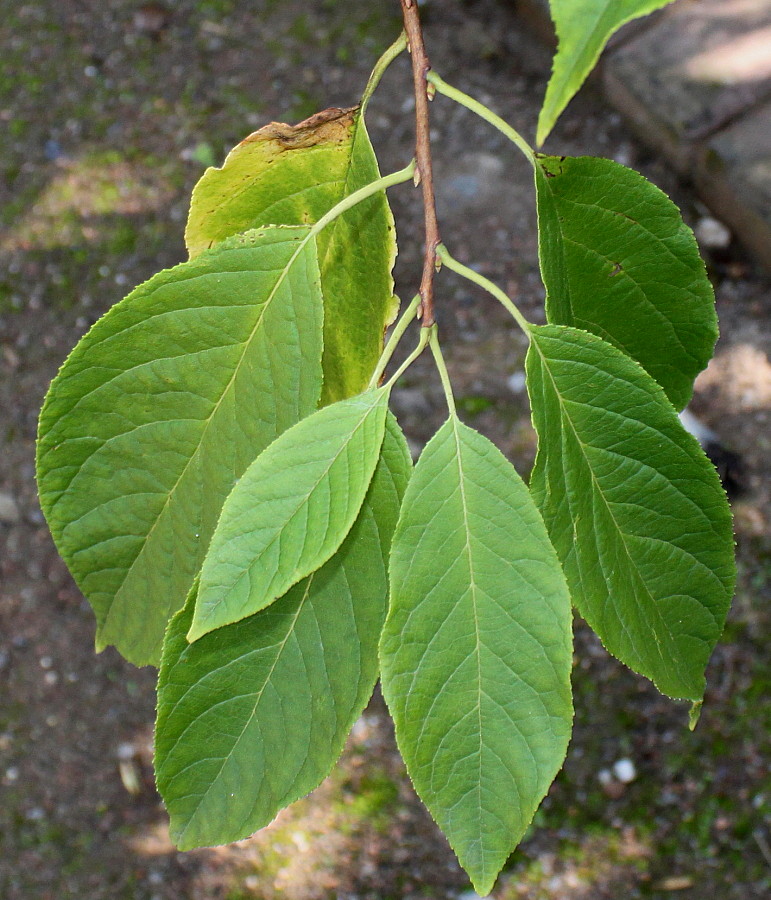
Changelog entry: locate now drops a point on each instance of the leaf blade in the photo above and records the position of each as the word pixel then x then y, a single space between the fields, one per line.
pixel 291 510
pixel 159 409
pixel 463 612
pixel 635 510
pixel 293 175
pixel 317 646
pixel 583 29
pixel 618 260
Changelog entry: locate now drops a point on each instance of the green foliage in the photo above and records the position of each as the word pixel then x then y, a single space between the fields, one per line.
pixel 583 29
pixel 196 490
pixel 610 241
pixel 159 410
pixel 304 668
pixel 634 508
pixel 291 510
pixel 477 650
pixel 293 175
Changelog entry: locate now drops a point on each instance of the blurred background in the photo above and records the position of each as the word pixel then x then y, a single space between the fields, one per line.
pixel 109 112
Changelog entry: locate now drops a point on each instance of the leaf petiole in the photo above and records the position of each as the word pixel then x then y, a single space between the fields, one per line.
pixel 485 284
pixel 396 335
pixel 395 50
pixel 436 350
pixel 425 333
pixel 374 187
pixel 483 112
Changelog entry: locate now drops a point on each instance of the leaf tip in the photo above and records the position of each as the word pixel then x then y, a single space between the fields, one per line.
pixel 195 632
pixel 694 714
pixel 483 882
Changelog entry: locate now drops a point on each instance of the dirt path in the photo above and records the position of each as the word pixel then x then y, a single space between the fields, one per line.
pixel 106 123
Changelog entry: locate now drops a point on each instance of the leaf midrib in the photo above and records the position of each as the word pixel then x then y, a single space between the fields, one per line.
pixel 473 586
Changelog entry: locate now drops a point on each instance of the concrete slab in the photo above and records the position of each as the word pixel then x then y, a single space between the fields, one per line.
pixel 698 67
pixel 733 175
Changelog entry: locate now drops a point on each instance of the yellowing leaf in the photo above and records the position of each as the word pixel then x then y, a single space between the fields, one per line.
pixel 292 175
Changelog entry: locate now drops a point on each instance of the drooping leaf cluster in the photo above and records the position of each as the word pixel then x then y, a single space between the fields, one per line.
pixel 221 473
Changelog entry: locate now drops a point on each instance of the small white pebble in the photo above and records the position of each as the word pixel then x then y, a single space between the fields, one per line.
pixel 624 770
pixel 11 774
pixel 604 776
pixel 51 678
pixel 125 750
pixel 9 509
pixel 711 233
pixel 46 662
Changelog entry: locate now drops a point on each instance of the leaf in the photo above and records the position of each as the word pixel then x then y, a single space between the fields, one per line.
pixel 618 260
pixel 159 410
pixel 583 29
pixel 476 651
pixel 293 175
pixel 253 716
pixel 291 510
pixel 389 482
pixel 635 510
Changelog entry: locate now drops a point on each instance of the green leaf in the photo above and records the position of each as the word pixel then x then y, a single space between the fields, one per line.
pixel 634 508
pixel 583 29
pixel 618 260
pixel 292 175
pixel 476 651
pixel 253 716
pixel 291 510
pixel 159 410
pixel 389 482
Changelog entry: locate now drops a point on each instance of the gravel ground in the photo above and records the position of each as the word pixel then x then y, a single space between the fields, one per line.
pixel 109 112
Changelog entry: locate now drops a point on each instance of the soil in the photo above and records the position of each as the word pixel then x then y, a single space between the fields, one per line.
pixel 109 111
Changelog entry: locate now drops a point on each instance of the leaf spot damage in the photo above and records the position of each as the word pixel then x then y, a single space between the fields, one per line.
pixel 330 126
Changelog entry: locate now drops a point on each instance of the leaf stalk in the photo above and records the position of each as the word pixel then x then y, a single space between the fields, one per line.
pixel 483 112
pixel 396 335
pixel 374 187
pixel 485 283
pixel 425 334
pixel 398 46
pixel 444 376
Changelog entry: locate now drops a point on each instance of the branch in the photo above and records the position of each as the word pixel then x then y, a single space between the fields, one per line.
pixel 420 69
